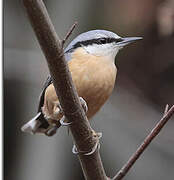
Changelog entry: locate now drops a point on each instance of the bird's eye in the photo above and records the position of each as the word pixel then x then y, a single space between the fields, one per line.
pixel 102 40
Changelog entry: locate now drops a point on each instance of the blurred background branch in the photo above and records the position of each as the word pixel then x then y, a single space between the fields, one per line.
pixel 155 131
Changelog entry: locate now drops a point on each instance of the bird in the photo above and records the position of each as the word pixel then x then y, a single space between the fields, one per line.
pixel 91 61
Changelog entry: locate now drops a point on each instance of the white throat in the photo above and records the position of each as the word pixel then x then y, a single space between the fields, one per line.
pixel 108 50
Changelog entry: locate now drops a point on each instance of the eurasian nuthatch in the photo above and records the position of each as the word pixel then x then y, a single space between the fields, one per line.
pixel 91 61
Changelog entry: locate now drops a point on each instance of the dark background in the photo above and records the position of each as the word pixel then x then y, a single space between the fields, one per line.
pixel 144 85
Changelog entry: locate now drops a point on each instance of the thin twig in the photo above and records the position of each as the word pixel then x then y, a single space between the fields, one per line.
pixel 51 46
pixel 69 33
pixel 145 143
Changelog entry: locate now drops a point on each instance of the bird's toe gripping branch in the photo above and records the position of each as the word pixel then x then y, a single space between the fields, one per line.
pixel 91 151
pixel 85 108
pixel 94 134
pixel 63 123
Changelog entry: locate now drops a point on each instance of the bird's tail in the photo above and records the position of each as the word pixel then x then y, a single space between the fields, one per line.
pixel 36 125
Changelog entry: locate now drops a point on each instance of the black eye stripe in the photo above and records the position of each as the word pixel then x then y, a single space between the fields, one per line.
pixel 95 41
pixel 109 40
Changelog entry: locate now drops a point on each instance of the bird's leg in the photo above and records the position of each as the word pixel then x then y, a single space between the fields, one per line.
pixel 85 108
pixel 91 151
pixel 63 123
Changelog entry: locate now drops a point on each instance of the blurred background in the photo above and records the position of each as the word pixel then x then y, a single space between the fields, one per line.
pixel 144 85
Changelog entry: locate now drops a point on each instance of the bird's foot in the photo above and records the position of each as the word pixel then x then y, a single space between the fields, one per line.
pixel 84 106
pixel 63 123
pixel 54 121
pixel 91 151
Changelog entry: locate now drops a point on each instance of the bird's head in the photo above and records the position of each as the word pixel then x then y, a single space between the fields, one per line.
pixel 100 43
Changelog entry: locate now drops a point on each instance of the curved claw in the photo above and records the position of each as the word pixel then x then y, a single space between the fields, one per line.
pixel 86 153
pixel 74 150
pixel 97 146
pixel 64 123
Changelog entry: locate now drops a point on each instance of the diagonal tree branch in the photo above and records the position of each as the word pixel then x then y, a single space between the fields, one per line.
pixel 52 49
pixel 124 170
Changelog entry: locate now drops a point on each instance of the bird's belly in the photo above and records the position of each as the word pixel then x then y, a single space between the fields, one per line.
pixel 96 97
pixel 94 85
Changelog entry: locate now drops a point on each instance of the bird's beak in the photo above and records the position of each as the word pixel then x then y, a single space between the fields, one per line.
pixel 128 40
